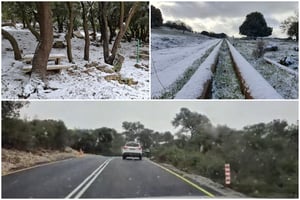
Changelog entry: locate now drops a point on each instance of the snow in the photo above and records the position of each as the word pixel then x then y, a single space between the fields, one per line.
pixel 256 85
pixel 285 83
pixel 172 54
pixel 78 82
pixel 225 83
pixel 195 87
pixel 281 66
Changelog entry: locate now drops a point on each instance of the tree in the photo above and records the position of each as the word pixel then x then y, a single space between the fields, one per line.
pixel 122 30
pixel 14 44
pixel 132 130
pixel 86 32
pixel 145 138
pixel 156 17
pixel 139 25
pixel 11 109
pixel 60 14
pixel 91 17
pixel 70 31
pixel 255 26
pixel 191 122
pixel 104 138
pixel 41 55
pixel 104 29
pixel 290 26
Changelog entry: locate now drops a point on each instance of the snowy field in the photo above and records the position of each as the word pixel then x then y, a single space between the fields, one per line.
pixel 179 63
pixel 285 83
pixel 172 53
pixel 83 80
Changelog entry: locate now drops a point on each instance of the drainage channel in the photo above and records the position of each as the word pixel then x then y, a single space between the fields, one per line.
pixel 225 83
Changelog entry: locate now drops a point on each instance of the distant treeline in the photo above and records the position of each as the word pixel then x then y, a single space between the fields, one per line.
pixel 215 35
pixel 263 157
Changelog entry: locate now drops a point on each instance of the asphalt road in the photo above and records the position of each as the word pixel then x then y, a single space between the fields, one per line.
pixel 98 177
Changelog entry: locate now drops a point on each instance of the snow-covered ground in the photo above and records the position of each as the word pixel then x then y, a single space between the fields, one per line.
pixel 172 53
pixel 285 83
pixel 80 81
pixel 255 84
pixel 195 87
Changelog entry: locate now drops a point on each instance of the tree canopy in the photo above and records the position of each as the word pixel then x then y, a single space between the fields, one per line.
pixel 255 26
pixel 156 17
pixel 291 26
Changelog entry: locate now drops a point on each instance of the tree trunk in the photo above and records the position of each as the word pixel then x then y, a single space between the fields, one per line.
pixel 41 55
pixel 60 24
pixel 112 31
pixel 32 30
pixel 104 33
pixel 86 33
pixel 70 31
pixel 13 43
pixel 92 20
pixel 121 33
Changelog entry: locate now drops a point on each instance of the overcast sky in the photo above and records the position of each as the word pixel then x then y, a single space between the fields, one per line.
pixel 226 16
pixel 157 115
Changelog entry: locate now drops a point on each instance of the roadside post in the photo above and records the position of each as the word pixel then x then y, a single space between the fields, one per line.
pixel 227 174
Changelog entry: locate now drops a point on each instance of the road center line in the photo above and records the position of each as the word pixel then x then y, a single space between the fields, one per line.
pixel 184 179
pixel 90 178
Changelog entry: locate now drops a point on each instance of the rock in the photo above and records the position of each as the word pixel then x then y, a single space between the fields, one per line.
pixel 78 34
pixel 118 62
pixel 105 69
pixel 271 48
pixel 95 44
pixel 59 45
pixel 92 64
pixel 113 77
pixel 128 81
pixel 68 149
pixel 296 49
pixel 142 66
pixel 117 77
pixel 286 61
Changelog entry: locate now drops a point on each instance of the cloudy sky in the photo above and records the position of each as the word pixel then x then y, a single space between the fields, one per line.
pixel 157 115
pixel 226 16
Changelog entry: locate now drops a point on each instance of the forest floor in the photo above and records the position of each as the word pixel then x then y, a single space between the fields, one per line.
pixel 85 79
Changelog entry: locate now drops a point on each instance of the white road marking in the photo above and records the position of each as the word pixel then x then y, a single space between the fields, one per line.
pixel 91 178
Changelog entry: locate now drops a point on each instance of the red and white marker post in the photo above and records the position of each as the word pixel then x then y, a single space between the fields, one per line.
pixel 227 174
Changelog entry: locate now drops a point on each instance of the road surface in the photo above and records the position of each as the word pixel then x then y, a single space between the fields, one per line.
pixel 99 177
